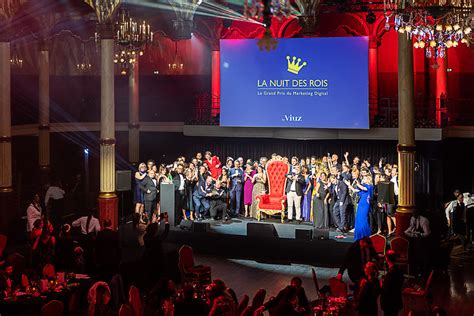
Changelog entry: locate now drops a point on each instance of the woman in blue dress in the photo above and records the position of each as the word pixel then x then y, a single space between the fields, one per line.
pixel 138 198
pixel 307 195
pixel 365 191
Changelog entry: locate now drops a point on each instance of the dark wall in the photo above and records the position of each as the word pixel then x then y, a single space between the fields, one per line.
pixel 77 98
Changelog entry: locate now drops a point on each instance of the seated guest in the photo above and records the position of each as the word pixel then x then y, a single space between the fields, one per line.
pixel 43 249
pixel 294 191
pixel 357 256
pixel 107 250
pixel 89 224
pixel 99 298
pixel 33 212
pixel 190 305
pixel 303 302
pixel 419 232
pixel 284 304
pixel 369 292
pixel 65 249
pixel 11 280
pixel 218 201
pixel 221 302
pixel 391 296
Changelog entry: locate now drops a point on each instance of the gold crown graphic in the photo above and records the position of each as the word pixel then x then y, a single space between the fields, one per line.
pixel 294 65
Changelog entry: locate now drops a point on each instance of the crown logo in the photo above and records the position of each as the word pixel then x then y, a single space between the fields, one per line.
pixel 294 65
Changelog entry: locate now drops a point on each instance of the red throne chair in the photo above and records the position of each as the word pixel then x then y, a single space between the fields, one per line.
pixel 274 202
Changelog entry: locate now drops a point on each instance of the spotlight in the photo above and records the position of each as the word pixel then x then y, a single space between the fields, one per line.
pixel 86 151
pixel 370 17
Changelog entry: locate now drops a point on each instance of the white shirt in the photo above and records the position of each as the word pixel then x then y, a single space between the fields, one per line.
pixel 94 225
pixel 32 214
pixel 54 193
pixel 396 189
pixel 293 186
pixel 181 184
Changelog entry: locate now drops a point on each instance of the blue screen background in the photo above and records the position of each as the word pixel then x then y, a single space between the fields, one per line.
pixel 343 61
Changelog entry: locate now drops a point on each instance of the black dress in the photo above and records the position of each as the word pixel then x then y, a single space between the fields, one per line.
pixel 189 186
pixel 321 218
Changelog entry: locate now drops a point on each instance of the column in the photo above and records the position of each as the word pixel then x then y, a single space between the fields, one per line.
pixel 406 134
pixel 108 201
pixel 43 134
pixel 373 77
pixel 216 82
pixel 441 86
pixel 6 190
pixel 134 114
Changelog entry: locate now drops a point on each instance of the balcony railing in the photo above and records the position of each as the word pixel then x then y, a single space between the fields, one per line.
pixel 429 112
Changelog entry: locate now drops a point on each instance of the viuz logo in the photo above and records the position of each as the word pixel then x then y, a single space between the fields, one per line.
pixel 292 118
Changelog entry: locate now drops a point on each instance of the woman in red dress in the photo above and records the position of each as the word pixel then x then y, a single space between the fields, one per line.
pixel 213 164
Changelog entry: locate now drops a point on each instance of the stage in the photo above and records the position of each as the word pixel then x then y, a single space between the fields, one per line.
pixel 264 241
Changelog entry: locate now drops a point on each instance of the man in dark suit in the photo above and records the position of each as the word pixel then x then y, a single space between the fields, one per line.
pixel 342 199
pixel 149 187
pixel 179 189
pixel 294 192
pixel 391 300
pixel 107 250
pixel 236 176
pixel 358 254
pixel 218 203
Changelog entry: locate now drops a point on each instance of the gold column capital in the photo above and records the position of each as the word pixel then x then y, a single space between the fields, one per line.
pixel 5 139
pixel 406 148
pixel 107 195
pixel 406 209
pixel 6 190
pixel 107 141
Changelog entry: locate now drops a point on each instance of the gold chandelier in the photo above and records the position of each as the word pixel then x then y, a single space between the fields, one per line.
pixel 436 25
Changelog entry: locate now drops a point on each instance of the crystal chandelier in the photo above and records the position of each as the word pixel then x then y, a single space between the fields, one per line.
pixel 16 61
pixel 131 37
pixel 435 26
pixel 84 66
pixel 126 57
pixel 264 9
pixel 177 66
pixel 131 33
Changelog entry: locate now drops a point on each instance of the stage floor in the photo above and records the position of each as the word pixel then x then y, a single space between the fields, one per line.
pixel 285 230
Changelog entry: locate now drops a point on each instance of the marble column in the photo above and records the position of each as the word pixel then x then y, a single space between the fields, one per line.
pixel 406 134
pixel 134 114
pixel 108 201
pixel 43 110
pixel 441 86
pixel 6 190
pixel 373 77
pixel 216 81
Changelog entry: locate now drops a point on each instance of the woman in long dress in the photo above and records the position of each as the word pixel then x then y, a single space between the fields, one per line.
pixel 189 185
pixel 320 202
pixel 248 188
pixel 140 174
pixel 307 192
pixel 259 181
pixel 365 191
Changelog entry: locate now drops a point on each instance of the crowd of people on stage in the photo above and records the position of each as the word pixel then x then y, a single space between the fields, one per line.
pixel 322 190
